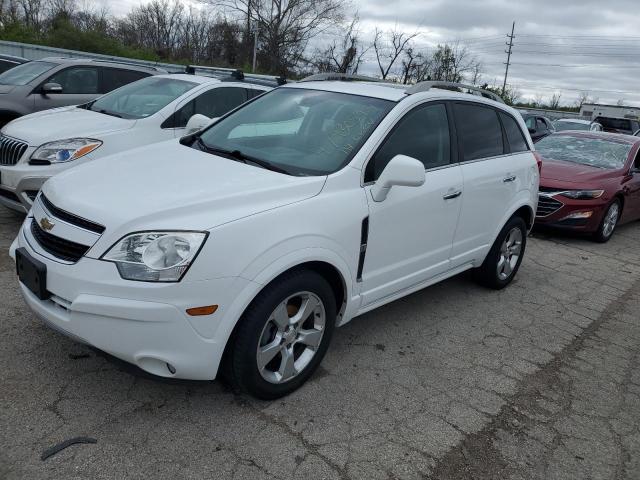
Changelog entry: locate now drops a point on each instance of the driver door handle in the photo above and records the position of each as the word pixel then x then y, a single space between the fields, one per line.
pixel 508 179
pixel 452 195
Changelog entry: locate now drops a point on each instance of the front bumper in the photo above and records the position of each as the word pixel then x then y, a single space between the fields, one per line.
pixel 142 323
pixel 571 215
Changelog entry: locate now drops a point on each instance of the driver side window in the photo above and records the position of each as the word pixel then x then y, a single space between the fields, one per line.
pixel 77 80
pixel 423 134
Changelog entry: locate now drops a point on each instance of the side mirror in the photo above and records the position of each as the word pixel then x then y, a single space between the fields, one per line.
pixel 197 122
pixel 401 171
pixel 51 88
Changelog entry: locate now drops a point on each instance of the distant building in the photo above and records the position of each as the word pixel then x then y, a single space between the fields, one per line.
pixel 592 111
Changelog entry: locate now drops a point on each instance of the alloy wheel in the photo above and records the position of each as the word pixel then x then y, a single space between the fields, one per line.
pixel 291 337
pixel 610 220
pixel 510 252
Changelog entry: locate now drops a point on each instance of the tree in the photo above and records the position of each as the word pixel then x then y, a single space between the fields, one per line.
pixel 388 46
pixel 554 101
pixel 343 55
pixel 285 26
pixel 583 98
pixel 451 62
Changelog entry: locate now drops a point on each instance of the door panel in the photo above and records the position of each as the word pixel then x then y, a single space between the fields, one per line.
pixel 492 176
pixel 488 193
pixel 410 234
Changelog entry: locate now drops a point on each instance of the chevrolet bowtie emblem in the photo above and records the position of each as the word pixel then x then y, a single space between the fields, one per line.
pixel 46 224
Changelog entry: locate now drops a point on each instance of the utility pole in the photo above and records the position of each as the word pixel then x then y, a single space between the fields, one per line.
pixel 255 48
pixel 508 52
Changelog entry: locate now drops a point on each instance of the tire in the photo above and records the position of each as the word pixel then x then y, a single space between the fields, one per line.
pixel 609 222
pixel 497 271
pixel 268 327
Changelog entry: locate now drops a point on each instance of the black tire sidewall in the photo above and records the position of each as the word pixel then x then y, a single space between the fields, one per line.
pixel 245 373
pixel 487 274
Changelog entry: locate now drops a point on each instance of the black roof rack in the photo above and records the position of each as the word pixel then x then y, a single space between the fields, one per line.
pixel 132 63
pixel 234 74
pixel 343 77
pixel 426 86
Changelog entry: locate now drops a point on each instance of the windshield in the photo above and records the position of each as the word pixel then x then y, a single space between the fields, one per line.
pixel 565 125
pixel 23 74
pixel 595 152
pixel 303 132
pixel 615 124
pixel 142 98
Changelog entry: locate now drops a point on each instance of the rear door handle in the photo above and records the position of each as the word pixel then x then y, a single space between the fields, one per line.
pixel 452 195
pixel 508 179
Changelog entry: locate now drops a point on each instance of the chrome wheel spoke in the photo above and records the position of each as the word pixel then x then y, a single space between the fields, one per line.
pixel 507 268
pixel 287 368
pixel 311 338
pixel 268 353
pixel 306 309
pixel 280 316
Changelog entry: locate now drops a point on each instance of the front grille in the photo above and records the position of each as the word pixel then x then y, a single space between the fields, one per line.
pixel 11 150
pixel 58 247
pixel 70 217
pixel 547 206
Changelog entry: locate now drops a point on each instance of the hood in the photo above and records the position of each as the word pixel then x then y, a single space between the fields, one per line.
pixel 172 186
pixel 573 172
pixel 6 88
pixel 62 123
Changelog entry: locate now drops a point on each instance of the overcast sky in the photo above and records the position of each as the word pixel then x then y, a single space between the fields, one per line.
pixel 561 46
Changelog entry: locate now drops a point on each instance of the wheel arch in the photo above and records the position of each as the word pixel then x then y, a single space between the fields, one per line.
pixel 327 264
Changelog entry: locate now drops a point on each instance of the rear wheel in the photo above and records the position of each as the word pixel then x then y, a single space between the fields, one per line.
pixel 283 336
pixel 504 259
pixel 608 223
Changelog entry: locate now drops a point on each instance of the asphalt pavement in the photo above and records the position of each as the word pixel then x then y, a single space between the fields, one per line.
pixel 538 381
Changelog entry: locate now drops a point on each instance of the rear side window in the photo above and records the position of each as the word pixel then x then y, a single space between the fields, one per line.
pixel 251 93
pixel 517 142
pixel 113 78
pixel 423 133
pixel 479 131
pixel 213 103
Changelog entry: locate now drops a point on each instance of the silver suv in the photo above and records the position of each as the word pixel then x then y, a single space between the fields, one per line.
pixel 58 82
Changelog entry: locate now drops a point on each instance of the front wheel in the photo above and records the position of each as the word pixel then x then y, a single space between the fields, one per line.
pixel 283 336
pixel 504 258
pixel 609 223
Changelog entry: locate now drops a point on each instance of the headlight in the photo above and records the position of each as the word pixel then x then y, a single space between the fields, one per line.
pixel 155 256
pixel 583 194
pixel 65 150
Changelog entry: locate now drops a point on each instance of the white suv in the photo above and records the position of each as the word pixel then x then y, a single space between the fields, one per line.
pixel 35 147
pixel 243 245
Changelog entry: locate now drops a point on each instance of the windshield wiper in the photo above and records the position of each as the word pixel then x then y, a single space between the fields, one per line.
pixel 238 156
pixel 106 112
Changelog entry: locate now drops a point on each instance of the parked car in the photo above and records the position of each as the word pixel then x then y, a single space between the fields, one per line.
pixel 576 124
pixel 245 244
pixel 626 126
pixel 10 61
pixel 35 147
pixel 539 126
pixel 590 182
pixel 58 82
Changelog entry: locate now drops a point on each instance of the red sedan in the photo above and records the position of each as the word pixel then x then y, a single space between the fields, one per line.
pixel 589 182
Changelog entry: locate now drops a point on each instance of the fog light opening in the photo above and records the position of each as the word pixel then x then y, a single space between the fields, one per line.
pixel 579 215
pixel 171 369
